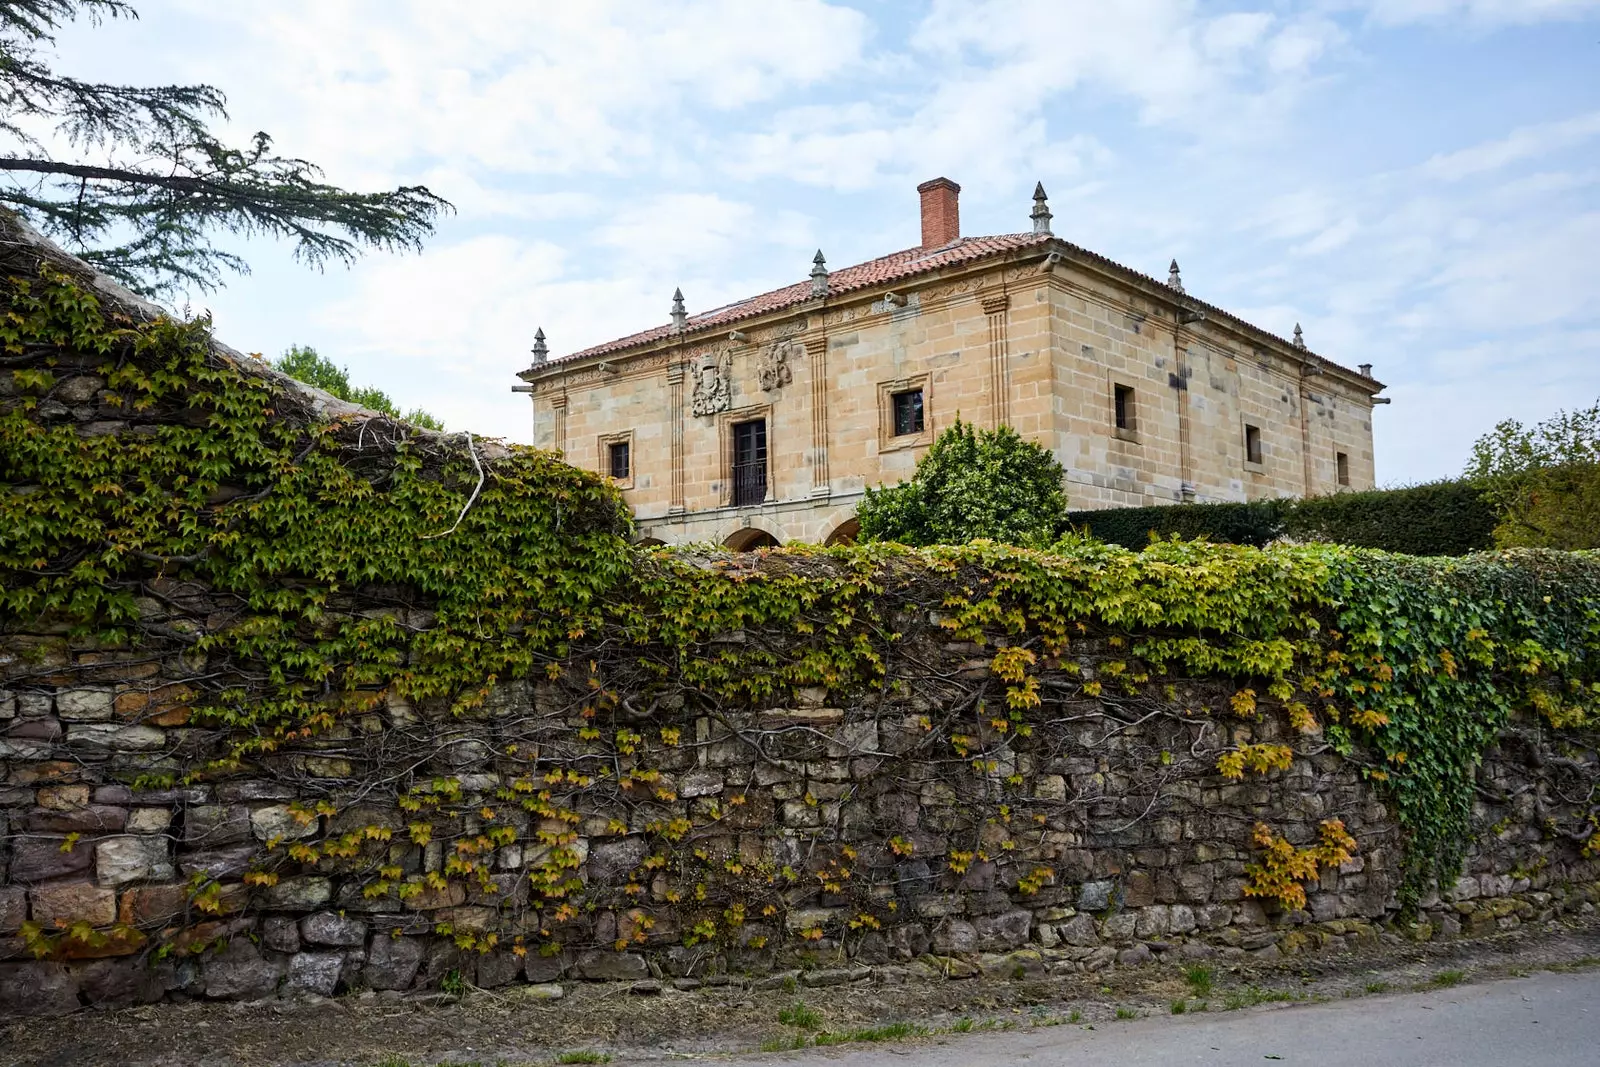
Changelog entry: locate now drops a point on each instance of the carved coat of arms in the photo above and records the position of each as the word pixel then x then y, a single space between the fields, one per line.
pixel 713 388
pixel 772 366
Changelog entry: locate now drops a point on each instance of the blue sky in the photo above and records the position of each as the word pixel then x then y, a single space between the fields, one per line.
pixel 1416 181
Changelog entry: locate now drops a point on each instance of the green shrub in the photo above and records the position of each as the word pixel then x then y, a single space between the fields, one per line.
pixel 1254 524
pixel 1438 519
pixel 1446 518
pixel 971 484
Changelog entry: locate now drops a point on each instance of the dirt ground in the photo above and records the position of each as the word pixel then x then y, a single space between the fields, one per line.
pixel 505 1028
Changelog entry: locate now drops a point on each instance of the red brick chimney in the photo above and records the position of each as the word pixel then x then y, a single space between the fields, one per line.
pixel 941 212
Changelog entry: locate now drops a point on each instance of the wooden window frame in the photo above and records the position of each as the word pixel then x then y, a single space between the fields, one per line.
pixel 603 458
pixel 725 423
pixel 888 440
pixel 1130 432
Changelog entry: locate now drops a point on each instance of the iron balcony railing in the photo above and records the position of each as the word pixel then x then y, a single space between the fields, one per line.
pixel 749 484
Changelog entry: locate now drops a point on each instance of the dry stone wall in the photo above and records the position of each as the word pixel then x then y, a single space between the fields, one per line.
pixel 295 700
pixel 829 834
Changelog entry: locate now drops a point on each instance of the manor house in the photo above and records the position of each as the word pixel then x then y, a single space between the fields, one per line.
pixel 761 422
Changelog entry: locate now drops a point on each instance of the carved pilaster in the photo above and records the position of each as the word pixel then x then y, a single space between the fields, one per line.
pixel 994 306
pixel 558 407
pixel 817 352
pixel 675 415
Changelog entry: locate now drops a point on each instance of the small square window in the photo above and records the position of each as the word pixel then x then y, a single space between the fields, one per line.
pixel 621 460
pixel 1125 416
pixel 908 412
pixel 1342 461
pixel 1252 444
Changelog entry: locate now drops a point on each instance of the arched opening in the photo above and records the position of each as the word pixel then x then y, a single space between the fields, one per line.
pixel 649 542
pixel 749 540
pixel 845 533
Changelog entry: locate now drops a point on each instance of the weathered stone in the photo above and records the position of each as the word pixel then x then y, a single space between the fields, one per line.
pixel 92 819
pixel 538 967
pixel 280 933
pixel 299 894
pixel 13 908
pixel 152 904
pixel 700 784
pixel 85 705
pixel 392 962
pixel 64 903
pixel 220 863
pixel 1008 930
pixel 1138 954
pixel 604 966
pixel 955 935
pixel 610 859
pixel 115 737
pixel 327 928
pixel 314 972
pixel 543 991
pixel 1153 921
pixel 39 859
pixel 211 826
pixel 1095 896
pixel 278 822
pixel 239 973
pixel 1078 931
pixel 650 987
pixel 1100 958
pixel 120 861
pixel 149 820
pixel 1182 919
pixel 111 983
pixel 496 969
pixel 36 989
pixel 1119 927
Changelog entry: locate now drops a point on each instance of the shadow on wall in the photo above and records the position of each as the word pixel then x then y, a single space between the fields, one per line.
pixel 749 540
pixel 845 533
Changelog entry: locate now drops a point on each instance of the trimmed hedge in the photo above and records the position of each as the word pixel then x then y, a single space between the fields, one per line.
pixel 1235 524
pixel 1447 518
pixel 1438 519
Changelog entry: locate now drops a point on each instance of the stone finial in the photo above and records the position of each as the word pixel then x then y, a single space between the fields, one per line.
pixel 1174 277
pixel 819 275
pixel 680 317
pixel 541 351
pixel 1041 210
pixel 1299 338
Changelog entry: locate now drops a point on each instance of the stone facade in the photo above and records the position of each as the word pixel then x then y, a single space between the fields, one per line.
pixel 1023 329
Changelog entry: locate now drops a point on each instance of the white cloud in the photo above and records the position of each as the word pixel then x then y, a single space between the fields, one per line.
pixel 1529 142
pixel 1477 12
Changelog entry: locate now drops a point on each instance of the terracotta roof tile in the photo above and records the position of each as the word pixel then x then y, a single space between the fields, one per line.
pixel 911 262
pixel 893 267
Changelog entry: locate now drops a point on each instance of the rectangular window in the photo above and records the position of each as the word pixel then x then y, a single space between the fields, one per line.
pixel 1122 399
pixel 620 460
pixel 1343 463
pixel 749 462
pixel 907 412
pixel 1252 444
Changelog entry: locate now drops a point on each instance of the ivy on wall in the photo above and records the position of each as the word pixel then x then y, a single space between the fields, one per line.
pixel 362 566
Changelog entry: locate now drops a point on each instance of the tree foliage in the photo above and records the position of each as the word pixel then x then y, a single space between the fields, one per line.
pixel 145 182
pixel 1543 480
pixel 971 484
pixel 304 364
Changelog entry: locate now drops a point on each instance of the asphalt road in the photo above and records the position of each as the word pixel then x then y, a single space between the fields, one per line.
pixel 1542 1021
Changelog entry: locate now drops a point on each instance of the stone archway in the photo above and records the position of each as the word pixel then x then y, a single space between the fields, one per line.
pixel 750 539
pixel 845 533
